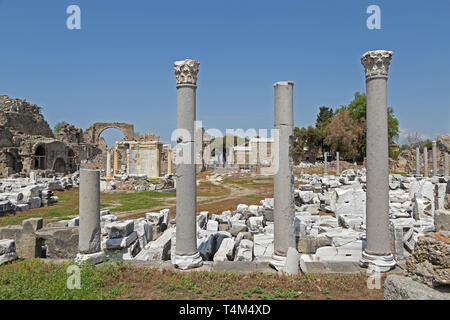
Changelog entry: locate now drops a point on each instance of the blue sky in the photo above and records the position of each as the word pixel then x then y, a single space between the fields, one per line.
pixel 119 66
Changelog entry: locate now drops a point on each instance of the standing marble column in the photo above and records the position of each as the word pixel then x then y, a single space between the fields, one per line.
pixel 169 160
pixel 338 169
pixel 417 161
pixel 186 254
pixel 377 254
pixel 116 161
pixel 284 210
pixel 128 161
pixel 434 159
pixel 89 211
pixel 108 164
pixel 445 163
pixel 325 163
pixel 425 162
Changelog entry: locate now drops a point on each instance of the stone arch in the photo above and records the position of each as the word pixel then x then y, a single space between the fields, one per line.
pixel 92 134
pixel 59 166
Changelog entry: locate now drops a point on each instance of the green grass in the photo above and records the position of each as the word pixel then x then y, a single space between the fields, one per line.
pixel 34 279
pixel 137 201
pixel 400 173
pixel 67 206
pixel 37 279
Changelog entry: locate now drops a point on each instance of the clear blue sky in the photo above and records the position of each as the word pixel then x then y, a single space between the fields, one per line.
pixel 119 66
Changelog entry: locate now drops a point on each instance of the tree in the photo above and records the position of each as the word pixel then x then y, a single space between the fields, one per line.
pixel 323 119
pixel 357 110
pixel 58 126
pixel 345 135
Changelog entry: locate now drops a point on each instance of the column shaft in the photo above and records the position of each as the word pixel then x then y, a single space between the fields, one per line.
pixel 338 169
pixel 425 162
pixel 417 161
pixel 89 211
pixel 284 209
pixel 186 254
pixel 434 159
pixel 377 254
pixel 186 175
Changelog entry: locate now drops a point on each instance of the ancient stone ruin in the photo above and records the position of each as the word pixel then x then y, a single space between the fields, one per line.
pixel 347 222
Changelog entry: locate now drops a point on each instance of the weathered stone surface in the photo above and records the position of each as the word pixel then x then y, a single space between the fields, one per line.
pixel 292 261
pixel 208 248
pixel 442 220
pixel 398 287
pixel 212 225
pixel 225 251
pixel 159 249
pixel 430 262
pixel 8 257
pixel 7 246
pixel 244 251
pixel 443 142
pixel 310 244
pixel 32 224
pixel 61 243
pixel 119 229
pixel 123 242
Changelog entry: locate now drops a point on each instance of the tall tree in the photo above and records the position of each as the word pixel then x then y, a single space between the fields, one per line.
pixel 345 135
pixel 323 119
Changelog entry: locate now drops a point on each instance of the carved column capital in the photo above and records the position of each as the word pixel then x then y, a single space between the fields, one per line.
pixel 186 71
pixel 376 63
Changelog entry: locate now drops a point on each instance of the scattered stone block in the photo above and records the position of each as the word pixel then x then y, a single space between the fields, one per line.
pixel 160 249
pixel 442 221
pixel 244 251
pixel 120 243
pixel 119 229
pixel 212 225
pixel 60 242
pixel 225 251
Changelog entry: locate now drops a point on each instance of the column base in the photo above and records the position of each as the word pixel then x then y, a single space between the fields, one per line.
pixel 187 261
pixel 278 262
pixel 379 263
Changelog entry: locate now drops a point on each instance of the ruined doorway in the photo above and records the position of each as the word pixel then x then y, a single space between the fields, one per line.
pixel 59 166
pixel 40 158
pixel 71 160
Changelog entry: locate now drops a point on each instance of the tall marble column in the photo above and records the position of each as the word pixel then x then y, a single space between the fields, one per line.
pixel 89 211
pixel 186 254
pixel 325 163
pixel 425 162
pixel 116 161
pixel 417 161
pixel 434 158
pixel 445 164
pixel 338 169
pixel 169 160
pixel 108 164
pixel 284 209
pixel 377 254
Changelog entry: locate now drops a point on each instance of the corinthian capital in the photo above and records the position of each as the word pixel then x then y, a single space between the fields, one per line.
pixel 186 71
pixel 376 63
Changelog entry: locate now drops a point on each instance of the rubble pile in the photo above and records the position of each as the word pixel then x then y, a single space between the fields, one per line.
pixel 137 183
pixel 22 194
